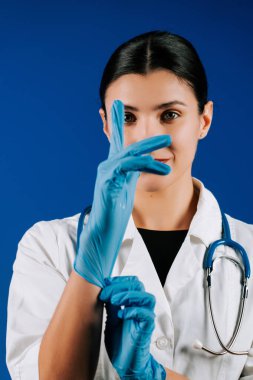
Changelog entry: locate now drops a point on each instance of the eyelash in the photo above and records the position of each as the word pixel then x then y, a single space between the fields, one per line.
pixel 166 112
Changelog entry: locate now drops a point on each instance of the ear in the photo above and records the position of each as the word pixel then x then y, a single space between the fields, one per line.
pixel 105 123
pixel 206 119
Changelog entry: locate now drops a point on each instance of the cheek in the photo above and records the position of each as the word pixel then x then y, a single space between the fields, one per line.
pixel 185 138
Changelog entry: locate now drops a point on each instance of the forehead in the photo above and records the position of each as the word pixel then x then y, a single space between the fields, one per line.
pixel 143 91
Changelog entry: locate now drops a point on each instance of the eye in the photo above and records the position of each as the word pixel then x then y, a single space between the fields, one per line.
pixel 171 115
pixel 128 118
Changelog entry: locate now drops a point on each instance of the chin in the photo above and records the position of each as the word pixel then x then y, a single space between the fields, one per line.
pixel 153 182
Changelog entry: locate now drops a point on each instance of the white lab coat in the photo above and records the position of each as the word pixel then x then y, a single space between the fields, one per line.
pixel 43 265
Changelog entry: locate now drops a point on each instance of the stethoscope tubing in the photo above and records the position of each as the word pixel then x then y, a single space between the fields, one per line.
pixel 208 267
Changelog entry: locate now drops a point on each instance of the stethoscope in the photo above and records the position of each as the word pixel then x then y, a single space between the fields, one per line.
pixel 208 268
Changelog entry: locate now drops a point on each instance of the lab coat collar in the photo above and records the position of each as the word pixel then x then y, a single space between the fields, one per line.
pixel 206 224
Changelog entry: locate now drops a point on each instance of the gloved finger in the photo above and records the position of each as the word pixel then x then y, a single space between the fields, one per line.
pixel 128 169
pixel 117 132
pixel 143 146
pixel 147 145
pixel 117 136
pixel 117 287
pixel 134 298
pixel 144 316
pixel 118 169
pixel 142 163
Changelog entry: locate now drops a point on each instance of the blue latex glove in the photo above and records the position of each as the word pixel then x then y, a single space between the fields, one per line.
pixel 114 192
pixel 128 331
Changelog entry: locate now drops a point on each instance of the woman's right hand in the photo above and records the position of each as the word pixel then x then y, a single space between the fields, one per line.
pixel 129 326
pixel 113 200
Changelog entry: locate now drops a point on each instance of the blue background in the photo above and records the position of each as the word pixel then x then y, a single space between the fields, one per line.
pixel 52 55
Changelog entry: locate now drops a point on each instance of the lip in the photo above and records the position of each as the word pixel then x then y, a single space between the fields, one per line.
pixel 162 159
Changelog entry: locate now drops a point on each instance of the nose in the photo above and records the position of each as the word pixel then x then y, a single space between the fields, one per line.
pixel 150 129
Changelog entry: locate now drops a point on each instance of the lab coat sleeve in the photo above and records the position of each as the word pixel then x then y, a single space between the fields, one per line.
pixel 35 289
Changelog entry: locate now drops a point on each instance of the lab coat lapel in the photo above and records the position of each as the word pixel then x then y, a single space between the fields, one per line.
pixel 205 228
pixel 139 263
pixel 183 269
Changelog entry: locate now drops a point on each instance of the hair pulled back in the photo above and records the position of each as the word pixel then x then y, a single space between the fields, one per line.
pixel 156 50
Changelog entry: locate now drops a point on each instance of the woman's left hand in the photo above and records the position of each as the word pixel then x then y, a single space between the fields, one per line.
pixel 128 330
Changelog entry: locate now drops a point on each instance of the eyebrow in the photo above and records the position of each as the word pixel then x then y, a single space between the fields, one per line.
pixel 158 107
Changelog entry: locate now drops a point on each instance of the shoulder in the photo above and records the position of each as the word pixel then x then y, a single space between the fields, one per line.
pixel 51 243
pixel 51 230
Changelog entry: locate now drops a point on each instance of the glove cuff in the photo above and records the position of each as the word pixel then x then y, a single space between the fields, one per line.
pixel 158 370
pixel 153 371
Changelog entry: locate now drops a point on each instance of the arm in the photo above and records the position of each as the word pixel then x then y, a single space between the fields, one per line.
pixel 37 320
pixel 51 319
pixel 74 332
pixel 70 345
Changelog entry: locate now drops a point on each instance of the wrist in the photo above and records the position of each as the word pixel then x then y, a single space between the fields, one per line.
pixel 158 371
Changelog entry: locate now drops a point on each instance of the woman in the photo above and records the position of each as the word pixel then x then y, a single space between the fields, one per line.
pixel 140 249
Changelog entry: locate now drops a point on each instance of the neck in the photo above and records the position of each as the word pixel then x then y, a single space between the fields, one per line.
pixel 169 209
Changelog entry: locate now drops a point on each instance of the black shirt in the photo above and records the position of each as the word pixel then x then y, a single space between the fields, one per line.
pixel 163 247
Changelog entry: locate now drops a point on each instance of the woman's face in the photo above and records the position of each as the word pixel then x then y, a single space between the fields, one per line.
pixel 146 115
